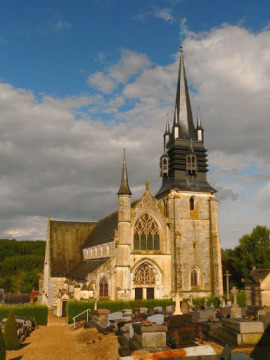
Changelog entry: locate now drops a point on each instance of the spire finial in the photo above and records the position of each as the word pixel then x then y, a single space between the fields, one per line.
pixel 147 185
pixel 124 187
pixel 181 33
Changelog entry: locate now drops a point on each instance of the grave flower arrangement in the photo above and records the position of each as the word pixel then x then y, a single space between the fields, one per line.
pixel 146 323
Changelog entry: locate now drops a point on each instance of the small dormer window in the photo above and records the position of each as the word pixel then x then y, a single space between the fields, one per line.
pixel 191 164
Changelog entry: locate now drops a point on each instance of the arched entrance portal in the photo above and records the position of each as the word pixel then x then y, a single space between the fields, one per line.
pixel 144 281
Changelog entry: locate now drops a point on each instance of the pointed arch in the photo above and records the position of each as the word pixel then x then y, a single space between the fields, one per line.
pixel 146 233
pixel 195 277
pixel 144 275
pixel 103 288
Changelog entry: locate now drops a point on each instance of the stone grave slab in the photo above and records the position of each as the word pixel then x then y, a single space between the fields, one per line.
pixel 158 309
pixel 175 321
pixel 236 313
pixel 185 307
pixel 157 319
pixel 115 316
pixel 169 309
pixel 151 338
pixel 265 319
pixel 241 332
pixel 203 315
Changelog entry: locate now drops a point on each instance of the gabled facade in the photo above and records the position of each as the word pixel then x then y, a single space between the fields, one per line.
pixel 154 247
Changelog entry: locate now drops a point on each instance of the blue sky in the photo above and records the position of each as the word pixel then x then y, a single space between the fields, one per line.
pixel 80 80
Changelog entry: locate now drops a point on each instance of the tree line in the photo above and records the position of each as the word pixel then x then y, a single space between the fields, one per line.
pixel 21 263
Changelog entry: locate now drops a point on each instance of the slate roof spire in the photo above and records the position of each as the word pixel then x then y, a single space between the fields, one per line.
pixel 183 126
pixel 124 187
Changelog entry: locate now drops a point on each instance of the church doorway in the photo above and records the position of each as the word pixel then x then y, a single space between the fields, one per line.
pixel 64 303
pixel 138 293
pixel 144 281
pixel 150 293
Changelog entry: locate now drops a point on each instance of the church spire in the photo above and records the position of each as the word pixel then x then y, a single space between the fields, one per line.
pixel 183 165
pixel 183 126
pixel 124 187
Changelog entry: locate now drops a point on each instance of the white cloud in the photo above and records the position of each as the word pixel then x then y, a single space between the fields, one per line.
pixel 102 82
pixel 131 63
pixel 52 164
pixel 160 13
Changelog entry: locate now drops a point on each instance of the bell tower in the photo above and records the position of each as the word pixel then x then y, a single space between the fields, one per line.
pixel 189 201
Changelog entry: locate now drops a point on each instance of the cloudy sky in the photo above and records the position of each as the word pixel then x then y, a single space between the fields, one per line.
pixel 81 80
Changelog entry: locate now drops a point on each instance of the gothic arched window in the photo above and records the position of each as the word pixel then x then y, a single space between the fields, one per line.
pixel 146 233
pixel 194 277
pixel 103 288
pixel 144 275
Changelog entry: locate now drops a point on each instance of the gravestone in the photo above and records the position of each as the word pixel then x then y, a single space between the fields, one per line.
pixel 203 315
pixel 157 319
pixel 175 321
pixel 177 310
pixel 265 319
pixel 151 338
pixel 222 302
pixel 127 312
pixel 185 307
pixel 144 310
pixel 158 309
pixel 236 312
pixel 241 332
pixel 169 309
pixel 115 316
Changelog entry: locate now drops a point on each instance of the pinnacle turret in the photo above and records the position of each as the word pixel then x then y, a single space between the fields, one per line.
pixel 124 187
pixel 199 128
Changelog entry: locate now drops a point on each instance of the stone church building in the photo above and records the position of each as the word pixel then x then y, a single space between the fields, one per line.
pixel 151 248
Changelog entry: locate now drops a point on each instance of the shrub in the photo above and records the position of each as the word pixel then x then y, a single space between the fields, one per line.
pixel 10 332
pixel 39 312
pixel 2 346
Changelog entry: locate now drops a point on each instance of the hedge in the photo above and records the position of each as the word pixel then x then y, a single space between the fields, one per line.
pixel 74 308
pixel 37 312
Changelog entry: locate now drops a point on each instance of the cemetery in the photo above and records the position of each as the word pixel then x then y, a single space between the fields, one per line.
pixel 185 330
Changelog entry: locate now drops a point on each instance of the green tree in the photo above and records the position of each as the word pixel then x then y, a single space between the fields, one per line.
pixel 253 250
pixel 2 346
pixel 10 332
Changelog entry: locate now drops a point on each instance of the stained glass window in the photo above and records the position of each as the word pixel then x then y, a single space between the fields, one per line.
pixel 146 233
pixel 103 288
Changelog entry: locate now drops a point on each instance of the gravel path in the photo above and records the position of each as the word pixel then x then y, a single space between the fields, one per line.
pixel 58 341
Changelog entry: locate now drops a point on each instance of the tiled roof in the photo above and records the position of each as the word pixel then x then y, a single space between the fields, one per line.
pixel 66 241
pixel 104 230
pixel 257 275
pixel 85 267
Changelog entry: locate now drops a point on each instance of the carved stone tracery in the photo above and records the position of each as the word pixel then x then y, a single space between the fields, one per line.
pixel 144 275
